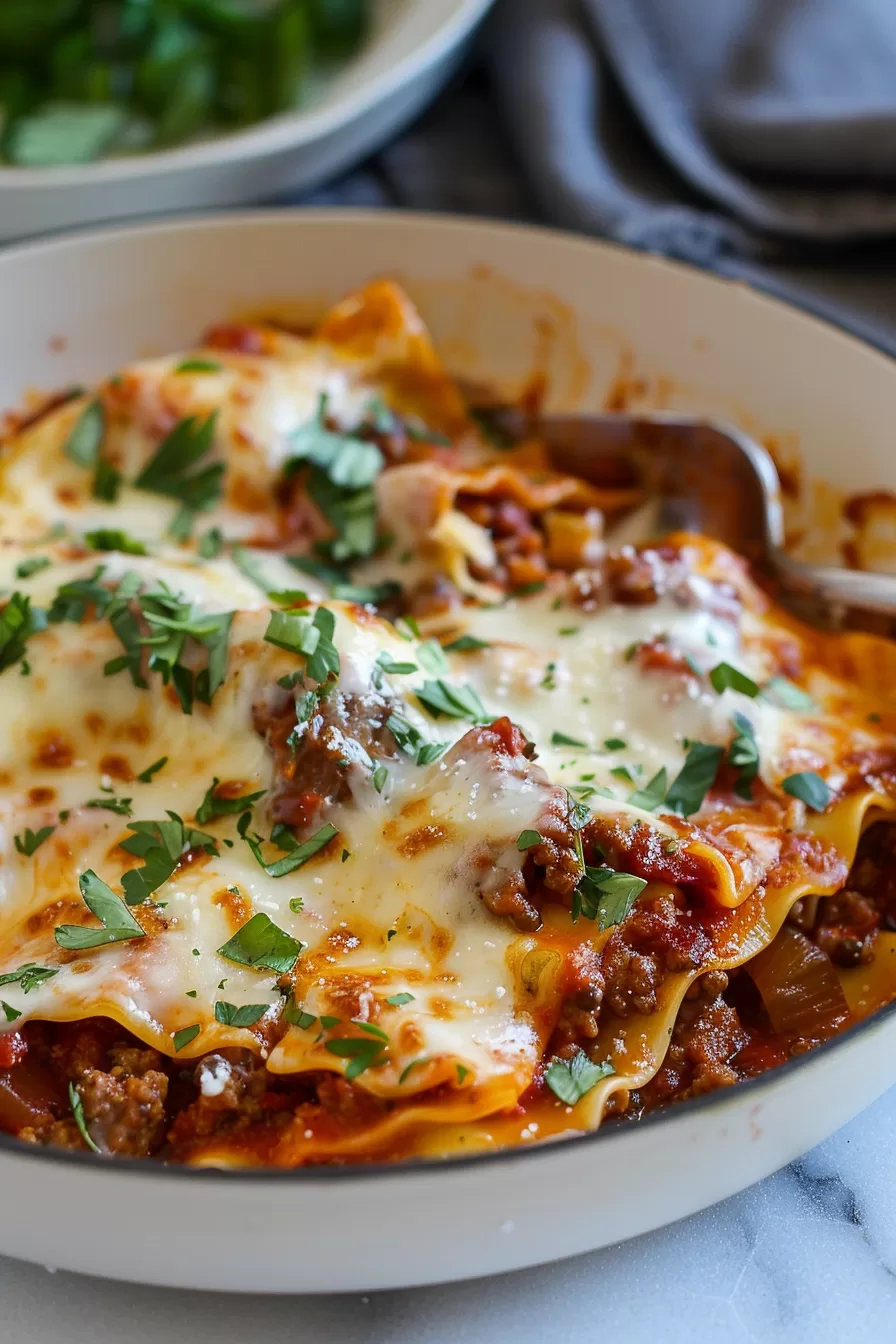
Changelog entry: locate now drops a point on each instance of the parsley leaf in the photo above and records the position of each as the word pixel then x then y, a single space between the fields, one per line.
pixel 183 1037
pixel 399 1000
pixel 455 702
pixel 651 796
pixel 466 644
pixel 77 1105
pixel 261 944
pixel 810 788
pixel 122 806
pixel 785 693
pixel 33 565
pixel 310 637
pixel 561 740
pixel 412 742
pixel 198 366
pixel 213 805
pixel 606 896
pixel 432 658
pixel 145 776
pixel 351 513
pixel 168 471
pixel 18 622
pixel 118 923
pixel 571 1080
pixel 743 754
pixel 246 1015
pixel 349 462
pixel 86 436
pixel 724 677
pixel 161 845
pixel 113 539
pixel 696 777
pixel 29 841
pixel 361 1054
pixel 529 839
pixel 295 854
pixel 29 976
pixel 210 544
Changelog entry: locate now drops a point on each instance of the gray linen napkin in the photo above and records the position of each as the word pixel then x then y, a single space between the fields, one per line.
pixel 761 122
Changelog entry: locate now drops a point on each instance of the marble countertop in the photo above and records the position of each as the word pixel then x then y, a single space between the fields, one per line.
pixel 806 1257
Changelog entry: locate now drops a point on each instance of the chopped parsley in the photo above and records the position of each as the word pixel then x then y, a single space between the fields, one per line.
pixel 161 845
pixel 210 544
pixel 246 1015
pixel 529 839
pixel 18 622
pixel 348 462
pixel 455 702
pixel 119 925
pixel 295 854
pixel 213 805
pixel 311 637
pixel 260 943
pixel 432 658
pixel 380 776
pixel 168 472
pixel 121 806
pixel 563 740
pixel 412 742
pixel 399 1000
pixel 113 539
pixel 571 1080
pixel 810 788
pixel 33 565
pixel 77 1107
pixel 183 1037
pixel 696 777
pixel 84 447
pixel 606 896
pixel 724 677
pixel 29 976
pixel 12 1014
pixel 615 744
pixel 29 841
pixel 386 663
pixel 198 366
pixel 145 776
pixel 743 754
pixel 362 1054
pixel 783 692
pixel 466 644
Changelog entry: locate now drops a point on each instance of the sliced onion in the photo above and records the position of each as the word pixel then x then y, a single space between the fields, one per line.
pixel 799 987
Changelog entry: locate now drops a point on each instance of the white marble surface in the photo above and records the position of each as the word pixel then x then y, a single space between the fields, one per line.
pixel 807 1257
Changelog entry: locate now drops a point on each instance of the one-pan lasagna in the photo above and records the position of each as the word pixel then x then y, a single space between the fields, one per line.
pixel 360 801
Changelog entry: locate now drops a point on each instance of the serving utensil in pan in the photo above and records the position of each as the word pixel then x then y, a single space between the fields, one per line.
pixel 711 478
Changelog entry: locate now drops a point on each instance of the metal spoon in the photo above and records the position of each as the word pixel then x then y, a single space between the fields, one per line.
pixel 711 478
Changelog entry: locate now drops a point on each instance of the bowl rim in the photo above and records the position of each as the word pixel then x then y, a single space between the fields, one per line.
pixel 724 1098
pixel 285 131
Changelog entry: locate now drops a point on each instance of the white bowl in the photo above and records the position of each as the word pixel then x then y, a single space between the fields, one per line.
pixel 415 47
pixel 503 303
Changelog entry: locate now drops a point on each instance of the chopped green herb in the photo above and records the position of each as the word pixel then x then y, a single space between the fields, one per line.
pixel 198 366
pixel 529 839
pixel 349 463
pixel 743 755
pixel 310 637
pixel 146 775
pixel 246 1015
pixel 33 565
pixel 455 702
pixel 653 793
pixel 566 630
pixel 29 841
pixel 77 1106
pixel 210 544
pixel 409 1069
pixel 462 1071
pixel 548 681
pixel 380 776
pixel 296 904
pixel 782 691
pixel 295 854
pixel 386 663
pixel 296 1016
pixel 466 644
pixel 119 925
pixel 399 1000
pixel 562 740
pixel 12 1014
pixel 412 742
pixel 695 779
pixel 432 658
pixel 213 805
pixel 113 539
pixel 724 677
pixel 168 471
pixel 810 788
pixel 606 896
pixel 614 744
pixel 260 943
pixel 29 976
pixel 121 806
pixel 361 1054
pixel 571 1080
pixel 328 1022
pixel 161 845
pixel 18 622
pixel 183 1037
